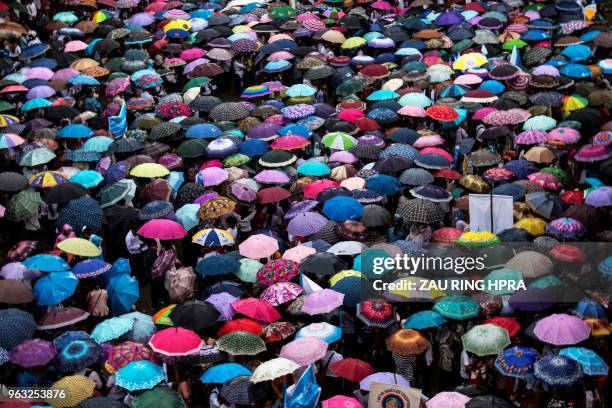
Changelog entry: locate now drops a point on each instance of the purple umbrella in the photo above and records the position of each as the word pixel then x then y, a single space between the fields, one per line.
pixel 562 329
pixel 299 111
pixel 221 148
pixel 42 91
pixel 264 131
pixel 223 303
pixel 322 301
pixel 600 197
pixel 116 171
pixel 243 191
pixel 530 137
pixel 211 176
pixel 301 207
pixel 17 270
pixel 306 223
pixel 272 177
pixel 194 64
pixel 531 300
pixel 141 19
pixel 33 353
pixel 205 197
pixel 383 377
pixel 565 228
pixel 305 350
pixel 449 18
pixel 281 292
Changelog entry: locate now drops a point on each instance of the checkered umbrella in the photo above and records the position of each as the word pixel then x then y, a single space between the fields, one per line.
pixel 419 210
pixel 80 213
pixel 23 205
pixel 230 111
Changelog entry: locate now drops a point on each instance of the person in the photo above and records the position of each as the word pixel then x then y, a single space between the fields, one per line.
pixel 166 257
pixel 91 102
pixel 97 302
pixel 66 232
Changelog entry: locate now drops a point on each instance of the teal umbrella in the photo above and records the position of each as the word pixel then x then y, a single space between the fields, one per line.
pixel 502 281
pixel 36 103
pixel 111 329
pixel 382 95
pixel 99 144
pixel 123 292
pixel 312 168
pixel 139 375
pixel 36 157
pixel 87 178
pixel 66 17
pixel 415 99
pixel 539 122
pixel 590 362
pixel 300 90
pixel 187 215
pixel 457 307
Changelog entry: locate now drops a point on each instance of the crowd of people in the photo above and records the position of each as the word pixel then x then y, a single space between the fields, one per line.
pixel 198 200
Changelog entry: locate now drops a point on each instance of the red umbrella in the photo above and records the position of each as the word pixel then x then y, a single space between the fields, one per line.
pixel 352 369
pixel 247 325
pixel 367 124
pixel 175 341
pixel 375 71
pixel 506 323
pixel 350 114
pixel 448 174
pixel 272 195
pixel 442 113
pixel 446 235
pixel 573 197
pixel 162 229
pixel 313 189
pixel 278 331
pixel 568 253
pixel 256 309
pixel 437 150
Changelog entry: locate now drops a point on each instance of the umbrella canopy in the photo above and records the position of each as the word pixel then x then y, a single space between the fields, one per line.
pixel 485 339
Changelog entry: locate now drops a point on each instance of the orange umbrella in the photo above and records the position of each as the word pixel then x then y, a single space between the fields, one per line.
pixel 407 342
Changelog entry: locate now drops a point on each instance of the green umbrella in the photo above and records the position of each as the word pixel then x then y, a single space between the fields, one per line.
pixel 36 157
pixel 248 270
pixel 515 42
pixel 236 159
pixel 485 340
pixel 192 148
pixel 545 282
pixel 349 87
pixel 6 106
pixel 196 82
pixel 457 307
pixel 241 343
pixel 114 64
pixel 502 281
pixel 158 397
pixel 283 12
pixel 559 173
pixel 23 205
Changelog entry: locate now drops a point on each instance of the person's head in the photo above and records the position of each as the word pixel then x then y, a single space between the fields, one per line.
pixel 90 92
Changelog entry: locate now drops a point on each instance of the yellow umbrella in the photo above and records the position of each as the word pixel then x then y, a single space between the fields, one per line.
pixel 475 183
pixel 478 239
pixel 334 37
pixel 404 288
pixel 79 247
pixel 540 154
pixel 353 42
pixel 177 25
pixel 574 102
pixel 533 225
pixel 149 170
pixel 84 63
pixel 241 29
pixel 345 274
pixel 469 60
pixel 71 390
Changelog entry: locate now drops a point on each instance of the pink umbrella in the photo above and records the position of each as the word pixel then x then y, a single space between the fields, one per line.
pixel 565 135
pixel 593 153
pixel 162 229
pixel 546 180
pixel 499 118
pixel 211 176
pixel 272 177
pixel 194 64
pixel 205 197
pixel 274 86
pixel 561 329
pixel 244 192
pixel 280 293
pixel 414 111
pixel 382 5
pixel 519 115
pixel 298 253
pixel 546 70
pixel 343 156
pixel 313 189
pixel 428 141
pixel 340 401
pixel 39 73
pixel 305 350
pixel 75 46
pixel 33 353
pixel 280 55
pixel 468 79
pixel 290 142
pixel 322 301
pixel 448 399
pixel 438 151
pixel 258 246
pixel 64 74
pixel 482 112
pixel 117 85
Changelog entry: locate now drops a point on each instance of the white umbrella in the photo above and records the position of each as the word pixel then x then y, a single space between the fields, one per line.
pixel 347 248
pixel 272 369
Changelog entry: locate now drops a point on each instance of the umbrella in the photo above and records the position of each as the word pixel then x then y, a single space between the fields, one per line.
pixel 217 265
pixel 16 326
pixel 111 329
pixel 424 320
pixel 406 342
pixel 258 246
pixel 384 378
pixel 123 292
pixel 55 288
pixel 222 373
pixel 422 211
pixel 213 237
pixel 77 355
pixel 33 353
pixel 175 341
pixel 160 396
pixel 139 375
pixel 71 390
pixel 162 229
pixel 557 370
pixel 272 369
pixel 194 315
pixel 256 309
pixel 457 307
pixel 241 343
pixel 517 362
pixel 280 293
pixel 485 339
pixel 23 205
pixel 590 362
pixel 561 329
pixel 303 351
pixel 79 246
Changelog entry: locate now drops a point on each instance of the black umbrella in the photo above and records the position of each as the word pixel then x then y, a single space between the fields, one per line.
pixel 195 315
pixel 121 218
pixel 548 205
pixel 125 145
pixel 187 194
pixel 375 216
pixel 64 193
pixel 106 45
pixel 192 148
pixel 204 103
pixel 11 181
pixel 592 218
pixel 319 72
pixel 106 402
pixel 241 391
pixel 515 235
pixel 323 263
pixel 367 152
pixel 422 211
pixel 155 149
pixel 392 164
pixel 488 401
pixel 80 213
pixel 164 129
pixel 61 112
pixel 333 192
pixel 233 288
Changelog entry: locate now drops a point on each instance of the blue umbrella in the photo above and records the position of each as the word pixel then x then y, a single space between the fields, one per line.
pixel 590 362
pixel 493 86
pixel 203 131
pixel 254 147
pixel 590 309
pixel 36 103
pixel 535 35
pixel 120 267
pixel 577 52
pixel 355 289
pixel 557 371
pixel 383 184
pixel 99 144
pixel 80 213
pixel 116 171
pixel 313 168
pixel 605 266
pixel 453 91
pixel 277 66
pixel 44 62
pixel 55 288
pixel 46 263
pixel 111 329
pixel 223 372
pixel 426 319
pixel 364 262
pixel 77 355
pixel 34 51
pixel 87 178
pixel 16 326
pixel 233 288
pixel 123 292
pixel 139 375
pixel 324 331
pixel 217 265
pixel 521 168
pixel 90 47
pixel 155 209
pixel 294 129
pixel 514 190
pixel 5 357
pixel 90 268
pixel 83 80
pixel 66 338
pixel 75 131
pixel 401 150
pixel 457 307
pixel 342 208
pixel 574 70
pixel 546 281
pixel 517 361
pixel 143 328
